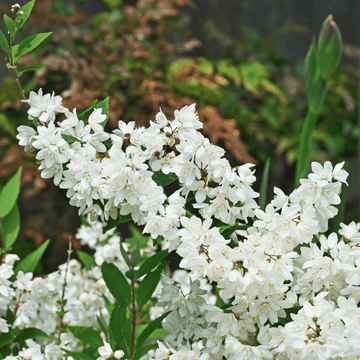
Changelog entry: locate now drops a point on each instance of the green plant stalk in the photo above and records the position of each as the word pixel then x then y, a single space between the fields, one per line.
pixel 305 148
pixel 358 139
pixel 340 215
pixel 264 185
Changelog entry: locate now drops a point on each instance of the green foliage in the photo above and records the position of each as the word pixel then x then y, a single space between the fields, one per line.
pixel 87 259
pixel 149 329
pixel 88 335
pixel 151 263
pixel 10 193
pixel 147 287
pixel 116 283
pixel 28 264
pixel 10 227
pixel 120 330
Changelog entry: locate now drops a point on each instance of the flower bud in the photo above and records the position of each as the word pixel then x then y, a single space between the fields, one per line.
pixel 329 48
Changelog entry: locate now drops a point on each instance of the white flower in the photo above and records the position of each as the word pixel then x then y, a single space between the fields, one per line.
pixel 26 136
pixel 43 107
pixel 95 120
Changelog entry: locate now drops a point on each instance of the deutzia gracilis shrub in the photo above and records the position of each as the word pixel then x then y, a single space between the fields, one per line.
pixel 285 291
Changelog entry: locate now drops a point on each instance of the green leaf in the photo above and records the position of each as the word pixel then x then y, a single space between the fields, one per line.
pixel 31 333
pixel 10 24
pixel 10 193
pixel 205 67
pixel 26 9
pixel 137 238
pixel 78 355
pixel 111 223
pixel 112 4
pixel 7 126
pixel 85 114
pixel 10 226
pixel 29 44
pixel 124 254
pixel 151 263
pixel 219 301
pixel 88 335
pixel 6 338
pixel 102 323
pixel 144 350
pixel 104 105
pixel 229 70
pixel 147 287
pixel 264 184
pixel 312 78
pixel 330 48
pixel 28 264
pixel 4 44
pixel 136 256
pixel 120 330
pixel 31 68
pixel 145 334
pixel 87 259
pixel 165 179
pixel 116 283
pixel 227 230
pixel 109 306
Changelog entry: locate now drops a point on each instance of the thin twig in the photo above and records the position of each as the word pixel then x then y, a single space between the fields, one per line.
pixel 133 311
pixel 62 302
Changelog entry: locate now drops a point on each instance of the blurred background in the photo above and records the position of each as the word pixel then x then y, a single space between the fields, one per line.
pixel 240 61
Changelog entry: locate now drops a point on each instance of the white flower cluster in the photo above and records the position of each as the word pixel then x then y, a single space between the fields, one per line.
pixel 105 182
pixel 283 304
pixel 35 301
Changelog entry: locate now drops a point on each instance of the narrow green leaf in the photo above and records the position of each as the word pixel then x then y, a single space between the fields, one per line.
pixel 116 283
pixel 124 254
pixel 10 24
pixel 31 333
pixel 120 330
pixel 31 68
pixel 144 350
pixel 136 256
pixel 87 259
pixel 26 9
pixel 86 113
pixel 29 44
pixel 6 338
pixel 4 44
pixel 137 238
pixel 145 334
pixel 151 263
pixel 28 264
pixel 10 226
pixel 88 335
pixel 312 78
pixel 227 230
pixel 264 184
pixel 10 193
pixel 102 323
pixel 78 355
pixel 147 287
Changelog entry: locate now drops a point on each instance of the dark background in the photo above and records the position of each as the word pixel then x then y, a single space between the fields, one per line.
pixel 220 19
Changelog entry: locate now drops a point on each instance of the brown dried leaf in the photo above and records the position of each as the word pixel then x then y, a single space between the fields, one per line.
pixel 215 127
